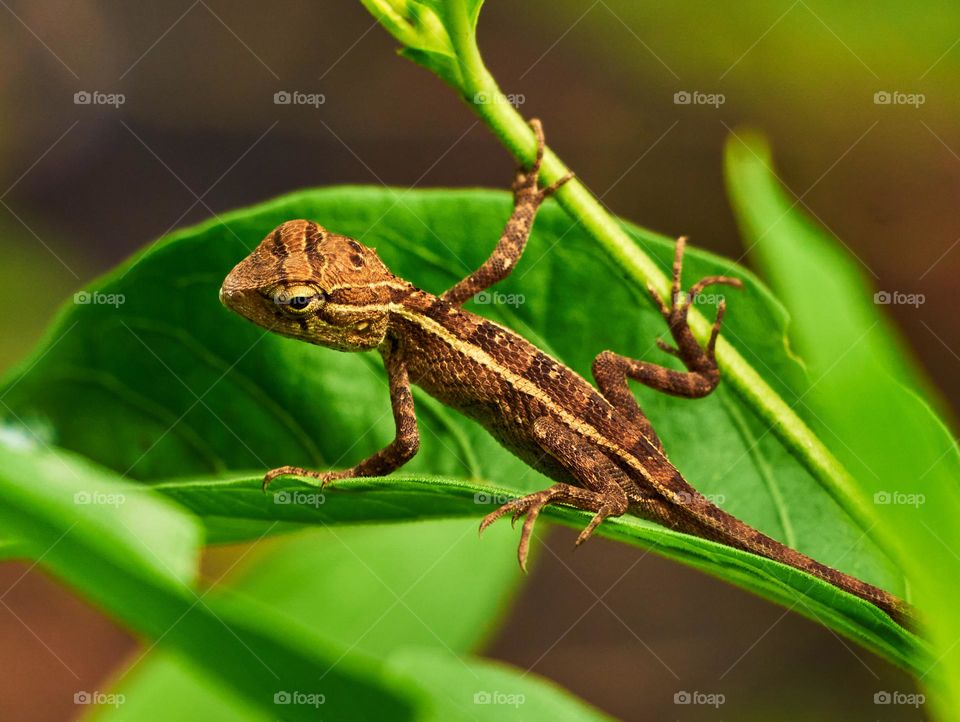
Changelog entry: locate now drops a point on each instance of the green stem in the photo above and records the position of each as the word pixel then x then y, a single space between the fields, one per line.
pixel 515 134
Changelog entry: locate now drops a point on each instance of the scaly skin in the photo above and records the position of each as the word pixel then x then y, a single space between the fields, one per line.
pixel 305 282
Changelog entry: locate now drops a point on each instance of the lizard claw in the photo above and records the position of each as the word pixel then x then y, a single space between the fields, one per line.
pixel 555 186
pixel 587 532
pixel 529 505
pixel 526 180
pixel 274 473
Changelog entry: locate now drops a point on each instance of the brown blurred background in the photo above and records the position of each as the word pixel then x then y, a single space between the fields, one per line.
pixel 83 186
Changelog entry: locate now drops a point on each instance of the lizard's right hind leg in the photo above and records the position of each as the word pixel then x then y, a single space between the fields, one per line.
pixel 612 370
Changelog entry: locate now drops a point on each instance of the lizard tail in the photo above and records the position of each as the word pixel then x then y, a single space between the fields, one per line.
pixel 714 523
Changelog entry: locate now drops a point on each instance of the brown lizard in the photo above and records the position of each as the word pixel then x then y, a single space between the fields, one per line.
pixel 305 282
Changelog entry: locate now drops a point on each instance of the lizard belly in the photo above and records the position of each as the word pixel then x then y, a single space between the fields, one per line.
pixel 507 414
pixel 500 380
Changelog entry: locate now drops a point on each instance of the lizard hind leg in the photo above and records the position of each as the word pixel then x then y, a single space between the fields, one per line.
pixel 694 356
pixel 604 492
pixel 702 375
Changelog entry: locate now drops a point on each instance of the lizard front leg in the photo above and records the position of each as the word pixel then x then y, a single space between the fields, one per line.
pixel 611 370
pixel 404 446
pixel 608 490
pixel 527 198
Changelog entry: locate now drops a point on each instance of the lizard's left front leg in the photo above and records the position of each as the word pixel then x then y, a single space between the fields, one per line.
pixel 404 446
pixel 527 198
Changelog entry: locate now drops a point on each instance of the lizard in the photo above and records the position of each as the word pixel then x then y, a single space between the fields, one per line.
pixel 596 444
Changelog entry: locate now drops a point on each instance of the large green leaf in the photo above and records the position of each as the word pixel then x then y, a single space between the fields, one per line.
pixel 401 497
pixel 267 401
pixel 445 688
pixel 332 576
pixel 135 554
pixel 865 400
pixel 138 403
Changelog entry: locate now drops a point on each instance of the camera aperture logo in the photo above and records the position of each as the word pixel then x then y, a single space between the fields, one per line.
pixel 898 298
pixel 95 298
pixel 297 97
pixel 97 97
pixel 899 498
pixel 709 699
pixel 696 97
pixel 313 699
pixel 896 97
pixel 503 698
pixel 909 699
pixel 101 698
pixel 300 498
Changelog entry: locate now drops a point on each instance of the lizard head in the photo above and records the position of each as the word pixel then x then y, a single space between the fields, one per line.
pixel 305 282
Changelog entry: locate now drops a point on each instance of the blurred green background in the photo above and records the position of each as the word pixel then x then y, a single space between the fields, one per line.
pixel 83 186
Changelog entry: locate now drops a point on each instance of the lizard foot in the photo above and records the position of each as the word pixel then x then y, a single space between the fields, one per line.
pixel 603 505
pixel 687 349
pixel 325 477
pixel 526 181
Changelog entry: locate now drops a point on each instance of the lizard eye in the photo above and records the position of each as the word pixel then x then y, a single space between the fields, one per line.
pixel 299 300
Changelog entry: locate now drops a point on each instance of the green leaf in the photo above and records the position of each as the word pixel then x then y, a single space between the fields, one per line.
pixel 149 422
pixel 55 505
pixel 331 575
pixel 268 401
pixel 445 686
pixel 401 497
pixel 134 554
pixel 866 399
